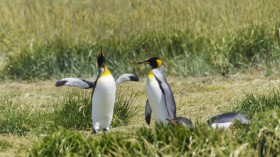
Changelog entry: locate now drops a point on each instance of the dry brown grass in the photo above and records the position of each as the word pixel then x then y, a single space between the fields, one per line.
pixel 20 144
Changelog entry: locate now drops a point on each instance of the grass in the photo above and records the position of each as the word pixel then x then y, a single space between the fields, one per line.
pixel 125 108
pixel 259 103
pixel 253 48
pixel 260 138
pixel 53 39
pixel 76 110
pixel 56 58
pixel 4 145
pixel 68 135
pixel 73 111
pixel 14 119
pixel 161 141
pixel 262 134
pixel 46 40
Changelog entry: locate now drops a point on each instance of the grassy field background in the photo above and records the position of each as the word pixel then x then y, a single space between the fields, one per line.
pixel 197 38
pixel 219 56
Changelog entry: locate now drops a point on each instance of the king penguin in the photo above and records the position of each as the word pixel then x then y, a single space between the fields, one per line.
pixel 225 120
pixel 160 97
pixel 103 95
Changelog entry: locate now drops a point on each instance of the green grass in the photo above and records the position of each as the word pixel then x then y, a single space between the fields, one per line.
pixel 45 39
pixel 264 112
pixel 18 120
pixel 259 103
pixel 263 133
pixel 53 59
pixel 260 138
pixel 125 108
pixel 73 111
pixel 55 39
pixel 160 141
pixel 14 118
pixel 69 134
pixel 76 109
pixel 144 142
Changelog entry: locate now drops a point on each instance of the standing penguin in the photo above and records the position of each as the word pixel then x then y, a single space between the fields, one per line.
pixel 103 95
pixel 160 97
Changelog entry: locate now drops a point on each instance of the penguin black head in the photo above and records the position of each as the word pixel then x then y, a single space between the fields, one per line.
pixel 172 121
pixel 155 62
pixel 101 59
pixel 187 123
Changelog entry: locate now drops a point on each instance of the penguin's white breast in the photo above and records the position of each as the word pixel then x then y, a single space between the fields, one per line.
pixel 221 125
pixel 156 100
pixel 103 98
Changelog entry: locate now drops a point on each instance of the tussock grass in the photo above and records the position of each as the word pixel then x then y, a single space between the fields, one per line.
pixel 63 143
pixel 72 112
pixel 54 59
pixel 76 110
pixel 15 119
pixel 144 142
pixel 259 103
pixel 260 138
pixel 264 111
pixel 263 133
pixel 125 109
pixel 49 39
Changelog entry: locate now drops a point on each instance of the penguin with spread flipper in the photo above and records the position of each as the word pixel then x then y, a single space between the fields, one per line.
pixel 103 95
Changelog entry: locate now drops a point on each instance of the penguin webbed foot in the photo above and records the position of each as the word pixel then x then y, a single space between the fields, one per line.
pixel 105 130
pixel 95 131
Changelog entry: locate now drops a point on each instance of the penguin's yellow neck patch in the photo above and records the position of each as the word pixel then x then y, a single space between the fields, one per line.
pixel 106 72
pixel 159 62
pixel 151 75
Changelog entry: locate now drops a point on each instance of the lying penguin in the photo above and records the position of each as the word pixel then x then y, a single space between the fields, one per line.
pixel 225 120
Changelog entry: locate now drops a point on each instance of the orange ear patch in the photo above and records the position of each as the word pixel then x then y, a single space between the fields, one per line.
pixel 159 62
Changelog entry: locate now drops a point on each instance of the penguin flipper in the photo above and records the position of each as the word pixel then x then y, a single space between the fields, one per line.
pixel 165 88
pixel 148 112
pixel 75 82
pixel 126 77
